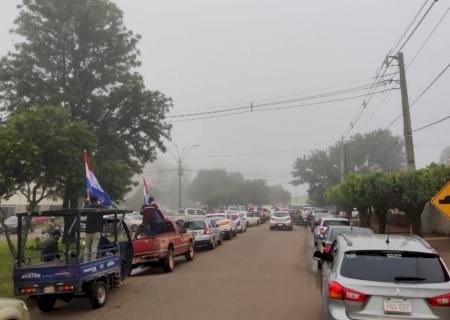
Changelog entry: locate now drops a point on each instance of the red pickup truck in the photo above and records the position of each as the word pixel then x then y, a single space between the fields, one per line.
pixel 161 250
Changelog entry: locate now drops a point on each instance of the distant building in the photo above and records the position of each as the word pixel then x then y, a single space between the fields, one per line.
pixel 18 203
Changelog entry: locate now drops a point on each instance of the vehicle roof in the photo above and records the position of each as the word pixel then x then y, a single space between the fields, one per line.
pixel 378 242
pixel 334 218
pixel 68 212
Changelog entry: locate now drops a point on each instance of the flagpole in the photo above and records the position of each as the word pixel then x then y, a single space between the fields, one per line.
pixel 88 199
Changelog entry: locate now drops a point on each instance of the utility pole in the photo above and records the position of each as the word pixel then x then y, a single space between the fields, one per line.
pixel 407 130
pixel 343 161
pixel 180 158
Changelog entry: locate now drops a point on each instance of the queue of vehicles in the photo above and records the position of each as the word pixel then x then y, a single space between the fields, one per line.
pixel 378 276
pixel 72 271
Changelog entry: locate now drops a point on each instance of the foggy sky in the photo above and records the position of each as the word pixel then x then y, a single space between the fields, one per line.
pixel 213 53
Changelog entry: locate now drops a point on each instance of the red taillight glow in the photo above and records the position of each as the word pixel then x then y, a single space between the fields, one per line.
pixel 67 287
pixel 206 231
pixel 27 290
pixel 440 301
pixel 322 230
pixel 338 292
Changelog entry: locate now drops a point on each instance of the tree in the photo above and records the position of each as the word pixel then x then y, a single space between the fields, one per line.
pixel 277 194
pixel 444 158
pixel 78 54
pixel 413 189
pixel 6 191
pixel 378 150
pixel 40 151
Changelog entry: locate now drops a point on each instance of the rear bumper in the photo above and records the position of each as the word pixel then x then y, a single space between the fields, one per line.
pixel 281 225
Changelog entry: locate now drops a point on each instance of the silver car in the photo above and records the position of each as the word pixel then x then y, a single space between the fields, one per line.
pixel 384 277
pixel 281 220
pixel 206 232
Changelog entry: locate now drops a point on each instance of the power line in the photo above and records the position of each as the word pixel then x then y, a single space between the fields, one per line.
pixel 417 25
pixel 260 105
pixel 278 108
pixel 428 87
pixel 429 37
pixel 432 124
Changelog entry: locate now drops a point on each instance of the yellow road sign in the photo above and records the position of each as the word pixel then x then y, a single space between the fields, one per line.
pixel 441 200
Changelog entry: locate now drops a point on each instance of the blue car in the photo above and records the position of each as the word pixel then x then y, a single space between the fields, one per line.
pixel 68 268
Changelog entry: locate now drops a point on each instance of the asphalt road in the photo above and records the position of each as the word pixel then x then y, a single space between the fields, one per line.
pixel 260 274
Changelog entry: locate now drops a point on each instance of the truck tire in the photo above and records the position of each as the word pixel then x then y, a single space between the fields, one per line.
pixel 168 264
pixel 99 295
pixel 190 253
pixel 46 303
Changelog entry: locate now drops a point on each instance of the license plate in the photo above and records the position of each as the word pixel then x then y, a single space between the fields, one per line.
pixel 49 289
pixel 280 224
pixel 399 306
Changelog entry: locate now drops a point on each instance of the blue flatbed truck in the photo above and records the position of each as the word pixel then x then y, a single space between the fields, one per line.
pixel 71 273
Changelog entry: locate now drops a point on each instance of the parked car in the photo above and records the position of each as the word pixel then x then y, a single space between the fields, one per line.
pixel 332 232
pixel 384 277
pixel 11 224
pixel 206 232
pixel 296 216
pixel 240 224
pixel 186 214
pixel 315 219
pixel 252 219
pixel 226 226
pixel 13 309
pixel 133 221
pixel 161 250
pixel 326 222
pixel 281 220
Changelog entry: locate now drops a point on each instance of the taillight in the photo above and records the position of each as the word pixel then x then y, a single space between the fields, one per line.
pixel 322 230
pixel 440 301
pixel 206 231
pixel 338 292
pixel 27 290
pixel 67 287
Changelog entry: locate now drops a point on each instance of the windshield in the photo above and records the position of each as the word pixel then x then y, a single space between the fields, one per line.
pixel 280 214
pixel 327 223
pixel 194 225
pixel 393 267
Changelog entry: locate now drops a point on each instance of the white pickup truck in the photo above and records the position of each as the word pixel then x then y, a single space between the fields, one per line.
pixel 186 214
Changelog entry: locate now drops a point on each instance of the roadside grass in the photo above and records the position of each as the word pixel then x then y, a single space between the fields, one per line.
pixel 7 263
pixel 6 267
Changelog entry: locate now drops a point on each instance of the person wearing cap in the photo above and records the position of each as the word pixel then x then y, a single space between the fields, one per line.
pixel 94 228
pixel 152 218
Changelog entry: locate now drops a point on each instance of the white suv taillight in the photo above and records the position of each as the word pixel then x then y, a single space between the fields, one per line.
pixel 440 301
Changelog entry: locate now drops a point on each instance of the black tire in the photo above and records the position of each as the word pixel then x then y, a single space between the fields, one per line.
pixel 190 253
pixel 99 295
pixel 247 225
pixel 46 303
pixel 220 240
pixel 169 262
pixel 257 223
pixel 212 245
pixel 230 235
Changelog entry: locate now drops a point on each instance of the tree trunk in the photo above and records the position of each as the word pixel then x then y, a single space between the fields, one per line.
pixel 11 247
pixel 381 218
pixel 26 223
pixel 363 217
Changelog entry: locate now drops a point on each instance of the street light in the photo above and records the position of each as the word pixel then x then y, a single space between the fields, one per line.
pixel 180 158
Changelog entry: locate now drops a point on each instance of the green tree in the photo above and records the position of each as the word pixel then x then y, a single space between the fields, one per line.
pixel 41 150
pixel 378 150
pixel 78 54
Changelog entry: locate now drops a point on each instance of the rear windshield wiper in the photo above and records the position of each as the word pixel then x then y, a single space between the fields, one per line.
pixel 401 279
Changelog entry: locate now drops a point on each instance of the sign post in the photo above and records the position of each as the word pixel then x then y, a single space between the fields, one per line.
pixel 441 200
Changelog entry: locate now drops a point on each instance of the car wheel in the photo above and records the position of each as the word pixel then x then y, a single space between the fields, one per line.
pixel 169 262
pixel 220 240
pixel 99 295
pixel 257 223
pixel 212 244
pixel 46 303
pixel 190 253
pixel 230 235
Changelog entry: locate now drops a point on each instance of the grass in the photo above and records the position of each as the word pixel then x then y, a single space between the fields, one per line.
pixel 6 267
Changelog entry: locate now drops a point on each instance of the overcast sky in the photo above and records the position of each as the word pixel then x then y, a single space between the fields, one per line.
pixel 211 53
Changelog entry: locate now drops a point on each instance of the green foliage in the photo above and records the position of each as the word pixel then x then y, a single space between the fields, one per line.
pixel 78 54
pixel 40 150
pixel 374 151
pixel 217 187
pixel 407 191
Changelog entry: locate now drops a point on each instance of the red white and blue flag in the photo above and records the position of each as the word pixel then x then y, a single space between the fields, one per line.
pixel 92 185
pixel 146 194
